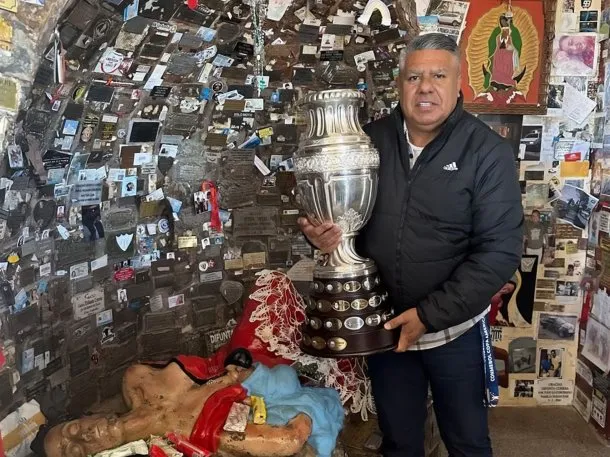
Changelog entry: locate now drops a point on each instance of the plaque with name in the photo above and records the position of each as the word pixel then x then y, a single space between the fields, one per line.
pixel 36 390
pixel 125 332
pixel 88 303
pixel 308 33
pixel 160 91
pixel 566 231
pixel 55 159
pixel 236 193
pixel 156 322
pixel 86 193
pixel 386 36
pixel 218 140
pixel 70 252
pixel 79 361
pixel 232 106
pixel 238 164
pixel 188 41
pixel 234 73
pixel 244 49
pixel 338 29
pixel 154 344
pixel 331 56
pixel 53 366
pixel 215 339
pixel 253 222
pixel 181 122
pixel 118 219
pixel 189 171
pixel 182 65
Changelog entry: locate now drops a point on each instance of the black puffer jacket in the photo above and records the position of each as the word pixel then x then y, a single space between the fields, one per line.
pixel 446 235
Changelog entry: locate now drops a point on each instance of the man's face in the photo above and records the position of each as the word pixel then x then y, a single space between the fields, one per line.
pixel 429 86
pixel 85 436
pixel 535 217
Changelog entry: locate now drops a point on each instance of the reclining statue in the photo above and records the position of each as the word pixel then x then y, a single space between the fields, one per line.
pixel 180 396
pixel 176 398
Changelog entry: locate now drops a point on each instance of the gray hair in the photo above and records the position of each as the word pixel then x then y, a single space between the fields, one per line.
pixel 429 41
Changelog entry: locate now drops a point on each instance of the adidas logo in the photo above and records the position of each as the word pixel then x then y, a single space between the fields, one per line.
pixel 451 167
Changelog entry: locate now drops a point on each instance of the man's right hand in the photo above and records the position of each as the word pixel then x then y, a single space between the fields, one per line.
pixel 325 237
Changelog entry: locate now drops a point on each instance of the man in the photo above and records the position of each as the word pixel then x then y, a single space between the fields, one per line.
pixel 446 234
pixel 534 235
pixel 555 364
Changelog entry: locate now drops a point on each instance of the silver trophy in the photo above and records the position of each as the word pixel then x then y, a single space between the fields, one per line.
pixel 336 169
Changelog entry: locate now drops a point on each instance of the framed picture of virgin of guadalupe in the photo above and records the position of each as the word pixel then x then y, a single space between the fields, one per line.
pixel 506 48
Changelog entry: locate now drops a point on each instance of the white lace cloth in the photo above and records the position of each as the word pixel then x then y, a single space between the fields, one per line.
pixel 279 328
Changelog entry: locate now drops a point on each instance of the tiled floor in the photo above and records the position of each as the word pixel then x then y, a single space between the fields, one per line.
pixel 541 432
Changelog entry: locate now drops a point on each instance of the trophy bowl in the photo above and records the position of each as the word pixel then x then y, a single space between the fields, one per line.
pixel 336 170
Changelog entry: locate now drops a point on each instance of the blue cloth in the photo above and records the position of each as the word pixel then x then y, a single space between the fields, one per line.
pixel 285 398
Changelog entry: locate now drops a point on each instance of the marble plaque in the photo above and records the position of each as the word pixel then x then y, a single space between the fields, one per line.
pixel 254 222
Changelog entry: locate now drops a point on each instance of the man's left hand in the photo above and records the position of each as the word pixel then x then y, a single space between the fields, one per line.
pixel 411 331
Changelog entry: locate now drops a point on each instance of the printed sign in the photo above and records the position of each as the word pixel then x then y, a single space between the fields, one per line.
pixel 88 303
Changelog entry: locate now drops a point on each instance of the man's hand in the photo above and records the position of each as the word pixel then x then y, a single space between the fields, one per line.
pixel 411 331
pixel 325 237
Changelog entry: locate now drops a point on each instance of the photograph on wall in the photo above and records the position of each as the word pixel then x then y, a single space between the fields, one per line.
pixel 575 206
pixel 597 344
pixel 555 100
pixel 508 126
pixel 531 141
pixel 550 363
pixel 522 355
pixel 502 57
pixel 451 17
pixel 524 388
pixel 536 194
pixel 92 223
pixel 536 234
pixel 568 292
pixel 557 326
pixel 575 54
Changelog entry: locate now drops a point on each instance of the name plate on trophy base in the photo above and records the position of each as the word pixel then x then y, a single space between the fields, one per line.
pixel 345 318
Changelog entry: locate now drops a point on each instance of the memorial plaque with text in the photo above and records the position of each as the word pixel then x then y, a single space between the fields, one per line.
pixel 252 222
pixel 155 322
pixel 79 361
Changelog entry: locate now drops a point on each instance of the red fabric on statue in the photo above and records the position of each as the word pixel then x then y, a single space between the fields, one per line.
pixel 201 369
pixel 244 335
pixel 211 420
pixel 282 314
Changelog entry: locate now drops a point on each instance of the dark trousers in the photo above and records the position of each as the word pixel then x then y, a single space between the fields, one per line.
pixel 456 376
